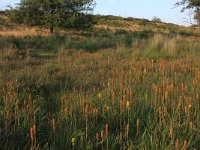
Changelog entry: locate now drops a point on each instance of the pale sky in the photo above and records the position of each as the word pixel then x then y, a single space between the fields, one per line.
pixel 163 9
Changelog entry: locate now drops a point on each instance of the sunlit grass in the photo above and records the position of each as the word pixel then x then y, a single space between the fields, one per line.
pixel 143 95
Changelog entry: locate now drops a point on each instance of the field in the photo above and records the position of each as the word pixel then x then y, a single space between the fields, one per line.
pixel 135 87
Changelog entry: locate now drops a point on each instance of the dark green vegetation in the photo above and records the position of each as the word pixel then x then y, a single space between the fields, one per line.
pixel 105 89
pixel 193 5
pixel 53 13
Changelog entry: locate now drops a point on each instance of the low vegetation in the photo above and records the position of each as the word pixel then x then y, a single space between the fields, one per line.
pixel 101 89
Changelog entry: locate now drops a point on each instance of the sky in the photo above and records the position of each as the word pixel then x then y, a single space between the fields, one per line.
pixel 163 9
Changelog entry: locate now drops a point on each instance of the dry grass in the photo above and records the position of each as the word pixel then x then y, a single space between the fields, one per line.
pixel 24 32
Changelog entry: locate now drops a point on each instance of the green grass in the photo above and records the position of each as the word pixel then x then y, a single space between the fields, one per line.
pixel 145 88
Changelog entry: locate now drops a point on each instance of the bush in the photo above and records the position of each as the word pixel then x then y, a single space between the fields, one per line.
pixel 144 22
pixel 91 45
pixel 121 31
pixel 156 19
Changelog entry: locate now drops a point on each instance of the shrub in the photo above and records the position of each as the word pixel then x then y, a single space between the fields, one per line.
pixel 156 19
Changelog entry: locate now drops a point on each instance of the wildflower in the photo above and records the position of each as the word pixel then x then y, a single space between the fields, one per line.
pixel 145 71
pixel 108 84
pixel 127 129
pixel 121 106
pixel 190 125
pixel 146 96
pixel 120 136
pixel 138 122
pixel 177 145
pixel 113 96
pixel 166 94
pixel 73 141
pixel 185 145
pixel 171 133
pixel 97 136
pixel 54 125
pixel 107 107
pixel 128 104
pixel 99 95
pixel 107 131
pixel 102 134
pixel 95 110
pixel 86 111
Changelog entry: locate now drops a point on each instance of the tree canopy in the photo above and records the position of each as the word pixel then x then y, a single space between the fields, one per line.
pixel 191 4
pixel 54 13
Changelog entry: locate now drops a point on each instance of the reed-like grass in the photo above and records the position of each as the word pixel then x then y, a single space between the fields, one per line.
pixel 117 98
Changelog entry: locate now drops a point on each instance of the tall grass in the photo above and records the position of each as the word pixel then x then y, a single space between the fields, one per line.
pixel 169 47
pixel 139 96
pixel 102 100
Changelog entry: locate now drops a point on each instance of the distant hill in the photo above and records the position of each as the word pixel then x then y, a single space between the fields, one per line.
pixel 114 24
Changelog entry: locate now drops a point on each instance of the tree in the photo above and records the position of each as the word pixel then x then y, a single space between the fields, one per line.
pixel 197 17
pixel 53 13
pixel 156 19
pixel 191 4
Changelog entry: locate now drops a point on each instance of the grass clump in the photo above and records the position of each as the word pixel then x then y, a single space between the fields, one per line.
pixel 163 46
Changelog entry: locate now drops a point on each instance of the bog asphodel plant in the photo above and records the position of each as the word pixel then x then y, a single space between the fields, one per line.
pixel 113 97
pixel 54 125
pixel 102 138
pixel 97 136
pixel 137 125
pixel 107 132
pixel 73 141
pixel 33 135
pixel 128 105
pixel 107 135
pixel 171 133
pixel 177 144
pixel 127 130
pixel 191 125
pixel 86 120
pixel 185 146
pixel 121 106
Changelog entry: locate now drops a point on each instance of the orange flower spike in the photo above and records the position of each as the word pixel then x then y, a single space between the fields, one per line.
pixel 127 129
pixel 120 137
pixel 113 96
pixel 171 133
pixel 107 132
pixel 177 144
pixel 185 145
pixel 121 106
pixel 102 134
pixel 97 136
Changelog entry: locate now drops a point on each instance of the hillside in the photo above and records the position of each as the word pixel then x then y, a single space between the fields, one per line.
pixel 115 23
pixel 104 23
pixel 127 84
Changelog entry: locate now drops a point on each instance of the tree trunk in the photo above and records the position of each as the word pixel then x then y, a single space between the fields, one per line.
pixel 51 30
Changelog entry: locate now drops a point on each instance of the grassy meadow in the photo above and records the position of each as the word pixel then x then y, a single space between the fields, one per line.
pixel 105 89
